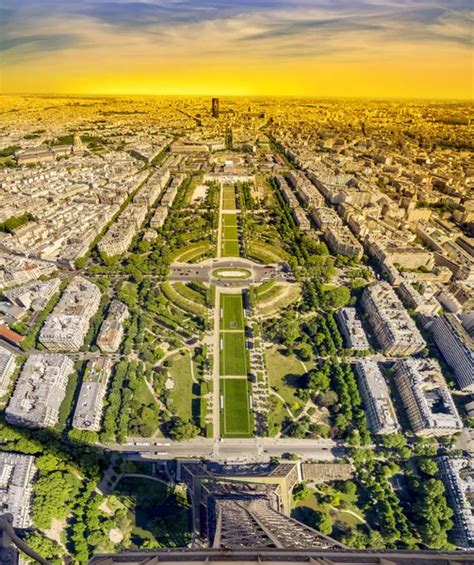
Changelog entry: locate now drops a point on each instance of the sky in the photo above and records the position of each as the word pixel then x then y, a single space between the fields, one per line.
pixel 320 48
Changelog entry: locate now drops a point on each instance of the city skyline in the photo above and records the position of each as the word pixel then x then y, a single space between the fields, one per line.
pixel 381 49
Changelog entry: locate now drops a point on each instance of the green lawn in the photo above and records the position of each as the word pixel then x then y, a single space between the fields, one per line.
pixel 232 356
pixel 182 393
pixel 229 220
pixel 230 248
pixel 229 202
pixel 236 419
pixel 232 307
pixel 283 373
pixel 230 232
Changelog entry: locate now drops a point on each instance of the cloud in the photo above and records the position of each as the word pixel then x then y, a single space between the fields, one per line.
pixel 261 28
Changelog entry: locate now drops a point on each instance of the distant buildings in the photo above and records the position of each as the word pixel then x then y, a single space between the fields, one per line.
pixel 457 347
pixel 39 391
pixel 458 477
pixel 426 397
pixel 88 413
pixel 67 325
pixel 351 329
pixel 7 366
pixel 215 108
pixel 16 476
pixel 395 331
pixel 381 417
pixel 111 332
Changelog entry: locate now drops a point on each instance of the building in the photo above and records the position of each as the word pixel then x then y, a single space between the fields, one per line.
pixel 215 108
pixel 247 506
pixel 395 331
pixel 39 391
pixel 90 403
pixel 381 417
pixel 111 331
pixel 33 295
pixel 458 477
pixel 10 336
pixel 341 241
pixel 457 347
pixel 7 367
pixel 426 398
pixel 159 217
pixel 351 329
pixel 17 472
pixel 41 154
pixel 121 233
pixel 420 303
pixel 66 327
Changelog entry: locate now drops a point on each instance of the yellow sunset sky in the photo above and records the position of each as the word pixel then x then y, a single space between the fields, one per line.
pixel 406 48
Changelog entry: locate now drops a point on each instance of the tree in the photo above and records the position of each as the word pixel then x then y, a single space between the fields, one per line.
pixel 328 398
pixel 337 297
pixel 393 441
pixel 428 466
pixel 322 522
pixel 46 547
pixel 302 491
pixel 433 513
pixel 180 430
pixel 304 351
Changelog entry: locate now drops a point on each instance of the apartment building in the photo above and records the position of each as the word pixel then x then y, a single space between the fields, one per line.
pixel 351 329
pixel 7 366
pixel 39 391
pixel 457 347
pixel 17 472
pixel 16 270
pixel 395 331
pixel 381 417
pixel 159 217
pixel 90 403
pixel 423 304
pixel 457 474
pixel 67 325
pixel 111 331
pixel 325 217
pixel 301 220
pixel 341 241
pixel 426 398
pixel 34 295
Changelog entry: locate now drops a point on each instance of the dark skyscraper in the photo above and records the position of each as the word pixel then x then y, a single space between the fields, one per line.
pixel 215 107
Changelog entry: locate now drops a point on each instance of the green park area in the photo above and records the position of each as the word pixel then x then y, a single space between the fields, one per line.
pixel 331 508
pixel 232 312
pixel 229 220
pixel 181 396
pixel 153 514
pixel 285 372
pixel 230 248
pixel 228 198
pixel 230 232
pixel 230 236
pixel 233 359
pixel 236 418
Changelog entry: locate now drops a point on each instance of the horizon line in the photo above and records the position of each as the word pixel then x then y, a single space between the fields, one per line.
pixel 217 95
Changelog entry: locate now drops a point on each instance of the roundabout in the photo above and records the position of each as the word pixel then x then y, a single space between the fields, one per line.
pixel 229 273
